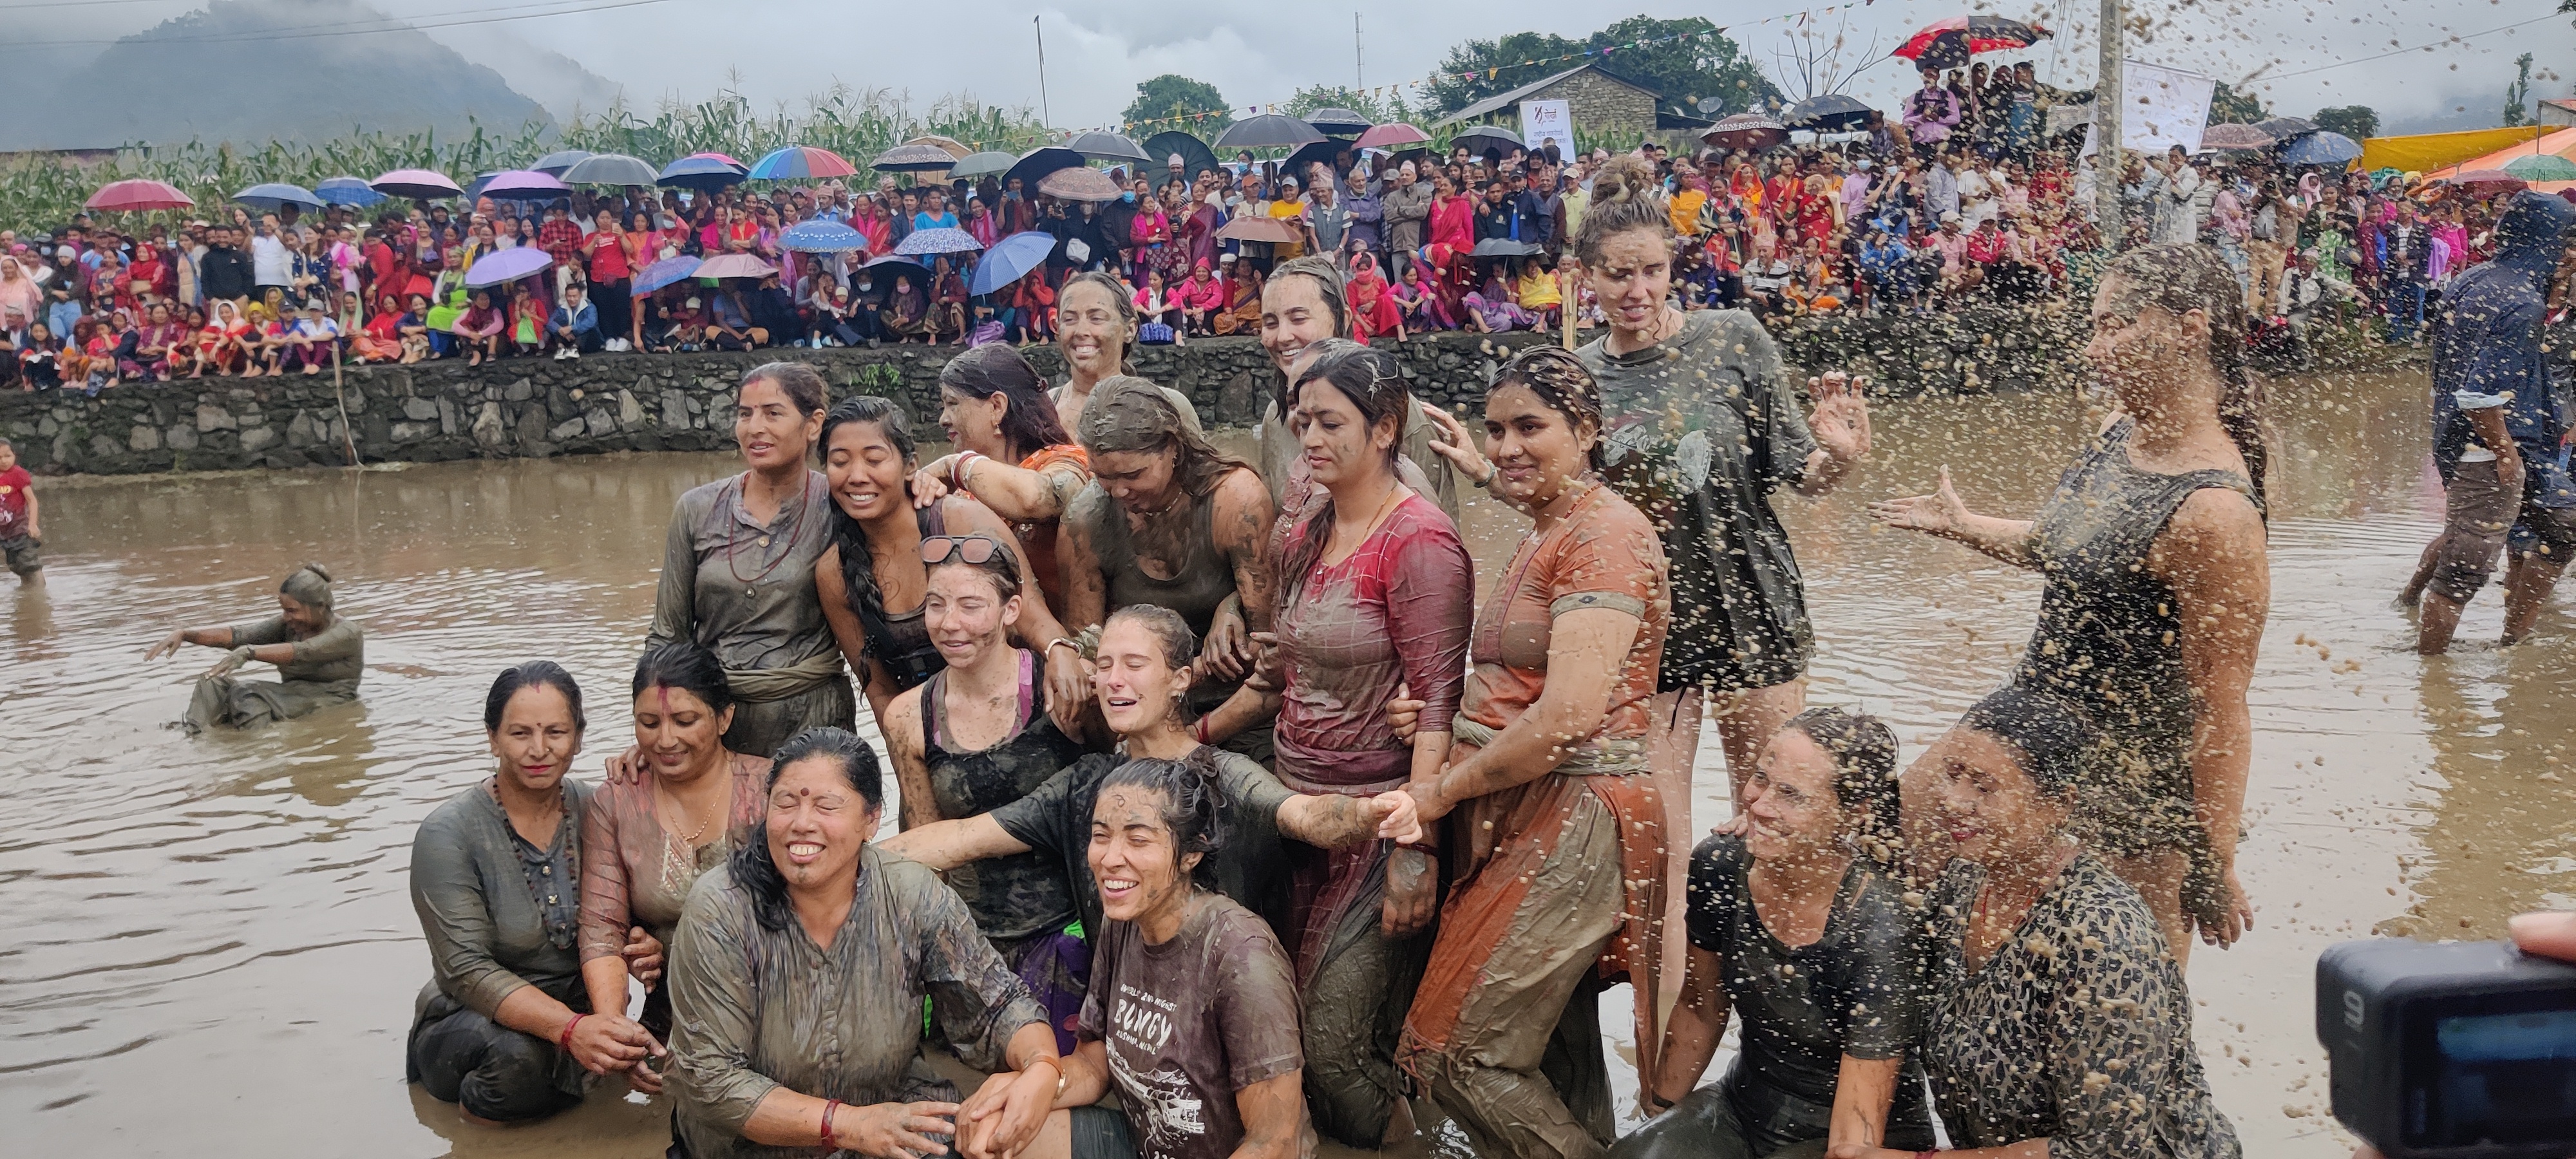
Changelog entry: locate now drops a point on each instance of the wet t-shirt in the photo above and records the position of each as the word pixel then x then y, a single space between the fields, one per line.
pixel 14 484
pixel 1602 554
pixel 1055 819
pixel 1189 1023
pixel 336 653
pixel 1856 990
pixel 1395 611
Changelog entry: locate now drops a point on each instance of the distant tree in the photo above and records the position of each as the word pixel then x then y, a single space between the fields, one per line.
pixel 1174 95
pixel 2230 107
pixel 1706 64
pixel 2517 96
pixel 1377 109
pixel 2354 121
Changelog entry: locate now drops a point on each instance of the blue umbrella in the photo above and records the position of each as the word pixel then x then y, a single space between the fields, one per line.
pixel 701 173
pixel 554 164
pixel 938 241
pixel 346 191
pixel 822 236
pixel 667 272
pixel 507 265
pixel 2320 148
pixel 269 197
pixel 474 188
pixel 1011 259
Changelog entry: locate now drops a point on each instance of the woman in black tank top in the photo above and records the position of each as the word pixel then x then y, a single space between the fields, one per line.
pixel 874 563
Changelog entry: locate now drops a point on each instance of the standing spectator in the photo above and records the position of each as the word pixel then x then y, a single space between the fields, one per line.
pixel 561 239
pixel 272 263
pixel 1407 207
pixel 21 531
pixel 1368 215
pixel 2404 249
pixel 1931 113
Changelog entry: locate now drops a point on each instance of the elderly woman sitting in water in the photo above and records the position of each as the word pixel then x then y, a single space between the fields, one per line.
pixel 319 656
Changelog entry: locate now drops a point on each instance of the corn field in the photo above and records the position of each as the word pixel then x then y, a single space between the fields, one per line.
pixel 41 194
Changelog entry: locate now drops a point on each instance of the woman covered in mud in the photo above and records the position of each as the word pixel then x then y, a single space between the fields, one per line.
pixel 874 561
pixel 1095 332
pixel 738 568
pixel 319 655
pixel 798 977
pixel 1558 846
pixel 504 1029
pixel 1703 427
pixel 1192 1016
pixel 2158 585
pixel 1376 593
pixel 2055 1019
pixel 673 812
pixel 976 737
pixel 1168 520
pixel 1798 924
pixel 1011 453
pixel 1305 302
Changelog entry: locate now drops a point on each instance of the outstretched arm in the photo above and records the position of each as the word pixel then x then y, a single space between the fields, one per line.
pixel 1945 515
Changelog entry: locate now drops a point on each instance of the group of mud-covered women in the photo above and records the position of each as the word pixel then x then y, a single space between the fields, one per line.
pixel 1221 790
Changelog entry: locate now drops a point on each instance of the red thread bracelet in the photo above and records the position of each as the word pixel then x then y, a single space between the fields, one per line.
pixel 1199 731
pixel 566 1040
pixel 829 1106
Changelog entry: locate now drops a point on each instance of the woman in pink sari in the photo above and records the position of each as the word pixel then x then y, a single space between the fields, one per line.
pixel 1373 310
pixel 1417 305
pixel 1451 248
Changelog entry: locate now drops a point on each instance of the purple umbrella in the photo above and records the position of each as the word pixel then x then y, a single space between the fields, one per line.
pixel 525 185
pixel 507 265
pixel 733 266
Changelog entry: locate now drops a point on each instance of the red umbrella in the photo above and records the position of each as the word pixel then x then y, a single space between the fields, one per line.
pixel 1964 35
pixel 1392 135
pixel 2483 182
pixel 138 194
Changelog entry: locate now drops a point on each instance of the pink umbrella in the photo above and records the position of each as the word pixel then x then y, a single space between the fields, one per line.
pixel 734 266
pixel 137 194
pixel 418 184
pixel 1392 135
pixel 721 157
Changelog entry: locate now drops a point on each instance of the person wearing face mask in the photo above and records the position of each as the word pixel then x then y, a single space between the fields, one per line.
pixel 504 1029
pixel 657 825
pixel 319 655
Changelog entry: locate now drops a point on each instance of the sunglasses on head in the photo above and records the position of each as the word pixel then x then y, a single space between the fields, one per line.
pixel 975 550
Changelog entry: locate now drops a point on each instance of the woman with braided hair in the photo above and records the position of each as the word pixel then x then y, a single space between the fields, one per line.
pixel 2157 586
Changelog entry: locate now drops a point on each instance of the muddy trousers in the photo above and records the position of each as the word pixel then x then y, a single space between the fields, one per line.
pixel 492 1071
pixel 1354 1009
pixel 1495 1010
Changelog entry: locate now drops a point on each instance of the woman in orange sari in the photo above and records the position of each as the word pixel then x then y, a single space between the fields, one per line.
pixel 1242 313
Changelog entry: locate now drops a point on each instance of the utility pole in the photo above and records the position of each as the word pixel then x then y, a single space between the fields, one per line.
pixel 2108 166
pixel 1359 58
pixel 1049 117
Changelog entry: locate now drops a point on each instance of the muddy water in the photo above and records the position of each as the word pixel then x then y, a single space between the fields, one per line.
pixel 206 946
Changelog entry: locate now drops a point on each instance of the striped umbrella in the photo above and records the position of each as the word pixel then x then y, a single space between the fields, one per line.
pixel 801 162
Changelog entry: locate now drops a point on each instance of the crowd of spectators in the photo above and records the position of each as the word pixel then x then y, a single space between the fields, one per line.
pixel 1960 196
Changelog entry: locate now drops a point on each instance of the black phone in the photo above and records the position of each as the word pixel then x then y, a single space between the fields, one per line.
pixel 2461 1050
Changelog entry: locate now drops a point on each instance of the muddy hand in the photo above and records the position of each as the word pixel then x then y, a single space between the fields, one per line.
pixel 1403 712
pixel 1452 442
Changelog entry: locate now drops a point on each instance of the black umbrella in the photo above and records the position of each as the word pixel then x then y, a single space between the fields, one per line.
pixel 1102 146
pixel 1038 163
pixel 1339 121
pixel 1325 151
pixel 1268 131
pixel 1483 137
pixel 1829 113
pixel 1196 157
pixel 913 159
pixel 1503 247
pixel 2284 128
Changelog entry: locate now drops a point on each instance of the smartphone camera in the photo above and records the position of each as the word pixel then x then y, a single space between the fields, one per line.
pixel 2464 1050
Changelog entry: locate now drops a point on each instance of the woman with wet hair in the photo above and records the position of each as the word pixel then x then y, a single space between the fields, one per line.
pixel 1305 302
pixel 319 655
pixel 2055 1020
pixel 798 978
pixel 1702 426
pixel 1558 846
pixel 738 568
pixel 1798 923
pixel 2157 586
pixel 677 810
pixel 504 1029
pixel 976 737
pixel 875 561
pixel 1169 520
pixel 1096 333
pixel 1011 453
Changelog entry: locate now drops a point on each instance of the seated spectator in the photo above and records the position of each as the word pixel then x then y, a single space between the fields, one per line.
pixel 1537 292
pixel 1888 267
pixel 265 342
pixel 527 324
pixel 1157 306
pixel 479 329
pixel 1493 309
pixel 1242 311
pixel 381 339
pixel 1374 313
pixel 223 343
pixel 947 297
pixel 828 316
pixel 1959 275
pixel 155 344
pixel 729 321
pixel 573 328
pixel 312 339
pixel 1201 297
pixel 40 359
pixel 1767 278
pixel 906 313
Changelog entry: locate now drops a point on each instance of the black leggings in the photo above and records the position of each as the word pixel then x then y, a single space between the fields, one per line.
pixel 492 1071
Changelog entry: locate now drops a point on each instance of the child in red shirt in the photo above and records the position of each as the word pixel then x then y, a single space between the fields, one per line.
pixel 19 534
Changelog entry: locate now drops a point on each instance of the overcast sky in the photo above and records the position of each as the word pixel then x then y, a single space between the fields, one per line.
pixel 782 50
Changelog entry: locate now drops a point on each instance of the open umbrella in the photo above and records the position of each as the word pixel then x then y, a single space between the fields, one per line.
pixel 950 145
pixel 801 161
pixel 917 159
pixel 1079 185
pixel 667 272
pixel 509 265
pixel 2319 148
pixel 1326 151
pixel 2544 167
pixel 891 264
pixel 137 194
pixel 2284 128
pixel 1949 43
pixel 1503 247
pixel 1011 259
pixel 1752 131
pixel 1269 229
pixel 268 198
pixel 1102 146
pixel 558 162
pixel 1196 157
pixel 2236 137
pixel 727 158
pixel 417 184
pixel 1338 122
pixel 822 235
pixel 1039 162
pixel 1268 131
pixel 524 185
pixel 985 164
pixel 700 172
pixel 942 240
pixel 1828 113
pixel 611 169
pixel 1479 138
pixel 346 191
pixel 735 266
pixel 1392 135
pixel 2483 182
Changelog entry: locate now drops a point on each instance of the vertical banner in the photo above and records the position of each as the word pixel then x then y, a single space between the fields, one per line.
pixel 1545 121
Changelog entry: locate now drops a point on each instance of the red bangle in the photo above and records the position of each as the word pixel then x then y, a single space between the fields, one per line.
pixel 1199 731
pixel 565 1040
pixel 829 1106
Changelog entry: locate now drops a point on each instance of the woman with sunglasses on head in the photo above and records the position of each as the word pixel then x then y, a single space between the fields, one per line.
pixel 879 556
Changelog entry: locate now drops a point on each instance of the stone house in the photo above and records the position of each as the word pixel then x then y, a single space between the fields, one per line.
pixel 1603 103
